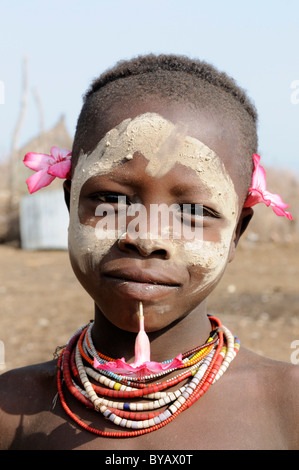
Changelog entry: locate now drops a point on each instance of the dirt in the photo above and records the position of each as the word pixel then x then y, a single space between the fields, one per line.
pixel 257 299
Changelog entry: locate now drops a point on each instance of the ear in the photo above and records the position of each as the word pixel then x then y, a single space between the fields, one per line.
pixel 67 192
pixel 243 222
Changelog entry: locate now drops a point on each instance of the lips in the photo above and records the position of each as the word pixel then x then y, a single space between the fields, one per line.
pixel 141 283
pixel 145 276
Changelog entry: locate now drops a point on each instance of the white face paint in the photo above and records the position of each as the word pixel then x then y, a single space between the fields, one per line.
pixel 163 144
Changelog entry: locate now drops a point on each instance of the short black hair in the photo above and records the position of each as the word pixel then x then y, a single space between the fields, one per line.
pixel 174 78
pixel 152 64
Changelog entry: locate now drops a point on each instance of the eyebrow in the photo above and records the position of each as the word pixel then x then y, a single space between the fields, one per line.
pixel 130 179
pixel 181 189
pixel 124 180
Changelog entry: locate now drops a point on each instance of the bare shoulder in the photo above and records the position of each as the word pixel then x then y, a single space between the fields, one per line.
pixel 288 388
pixel 276 384
pixel 24 394
pixel 279 377
pixel 17 382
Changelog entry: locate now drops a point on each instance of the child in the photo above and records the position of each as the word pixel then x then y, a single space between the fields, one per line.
pixel 154 133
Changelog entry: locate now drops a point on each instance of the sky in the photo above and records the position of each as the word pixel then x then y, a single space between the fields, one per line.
pixel 67 43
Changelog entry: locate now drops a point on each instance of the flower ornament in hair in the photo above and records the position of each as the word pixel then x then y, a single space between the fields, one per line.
pixel 142 365
pixel 258 192
pixel 47 167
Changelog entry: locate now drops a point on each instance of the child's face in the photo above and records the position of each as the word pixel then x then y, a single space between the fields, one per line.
pixel 151 163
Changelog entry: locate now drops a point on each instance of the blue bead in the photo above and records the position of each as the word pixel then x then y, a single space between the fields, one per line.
pixel 127 406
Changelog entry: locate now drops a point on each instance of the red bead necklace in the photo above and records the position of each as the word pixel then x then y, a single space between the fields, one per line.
pixel 209 362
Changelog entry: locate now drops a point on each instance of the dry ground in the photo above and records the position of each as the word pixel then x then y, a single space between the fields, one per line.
pixel 257 299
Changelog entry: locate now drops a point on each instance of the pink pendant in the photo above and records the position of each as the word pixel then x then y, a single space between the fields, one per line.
pixel 142 365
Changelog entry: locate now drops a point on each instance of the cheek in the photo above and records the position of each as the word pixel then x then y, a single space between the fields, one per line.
pixel 87 244
pixel 207 260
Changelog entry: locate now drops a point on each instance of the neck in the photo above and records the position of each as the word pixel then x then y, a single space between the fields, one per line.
pixel 182 335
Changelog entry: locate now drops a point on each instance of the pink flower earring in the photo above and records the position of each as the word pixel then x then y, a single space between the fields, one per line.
pixel 47 167
pixel 258 193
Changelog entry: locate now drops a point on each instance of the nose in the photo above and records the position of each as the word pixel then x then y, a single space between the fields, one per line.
pixel 146 246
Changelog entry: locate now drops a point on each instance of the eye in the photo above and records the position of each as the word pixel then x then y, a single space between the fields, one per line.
pixel 110 198
pixel 196 212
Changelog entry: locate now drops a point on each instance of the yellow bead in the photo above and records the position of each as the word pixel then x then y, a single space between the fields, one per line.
pixel 117 386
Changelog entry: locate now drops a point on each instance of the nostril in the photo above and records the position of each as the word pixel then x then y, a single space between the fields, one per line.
pixel 129 247
pixel 160 252
pixel 145 247
pixel 149 251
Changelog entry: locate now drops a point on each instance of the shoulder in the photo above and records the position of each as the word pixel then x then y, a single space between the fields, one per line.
pixel 18 381
pixel 274 377
pixel 276 385
pixel 288 387
pixel 24 393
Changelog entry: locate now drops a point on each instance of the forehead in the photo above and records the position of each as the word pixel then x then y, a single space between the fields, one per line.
pixel 164 146
pixel 208 126
pixel 161 142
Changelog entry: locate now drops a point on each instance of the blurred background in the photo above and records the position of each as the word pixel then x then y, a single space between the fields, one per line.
pixel 50 51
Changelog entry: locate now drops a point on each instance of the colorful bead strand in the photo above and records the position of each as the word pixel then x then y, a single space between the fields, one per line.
pixel 205 364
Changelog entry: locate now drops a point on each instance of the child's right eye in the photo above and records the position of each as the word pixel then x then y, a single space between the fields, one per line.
pixel 110 198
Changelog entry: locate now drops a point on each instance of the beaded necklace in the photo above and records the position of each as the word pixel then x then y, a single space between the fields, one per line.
pixel 117 397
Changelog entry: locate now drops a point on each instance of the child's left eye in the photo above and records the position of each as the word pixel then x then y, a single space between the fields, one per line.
pixel 197 211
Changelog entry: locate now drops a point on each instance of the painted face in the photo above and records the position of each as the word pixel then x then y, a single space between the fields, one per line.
pixel 145 163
